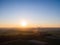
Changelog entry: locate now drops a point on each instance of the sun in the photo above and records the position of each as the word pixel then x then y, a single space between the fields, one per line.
pixel 24 23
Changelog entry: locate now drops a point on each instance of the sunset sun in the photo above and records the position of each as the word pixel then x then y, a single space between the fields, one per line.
pixel 23 23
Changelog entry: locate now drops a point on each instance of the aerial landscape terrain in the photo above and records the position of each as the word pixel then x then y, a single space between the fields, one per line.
pixel 30 36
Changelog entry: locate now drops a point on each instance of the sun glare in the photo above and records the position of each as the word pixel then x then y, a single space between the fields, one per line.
pixel 23 23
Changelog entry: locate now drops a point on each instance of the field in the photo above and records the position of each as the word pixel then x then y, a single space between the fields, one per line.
pixel 29 36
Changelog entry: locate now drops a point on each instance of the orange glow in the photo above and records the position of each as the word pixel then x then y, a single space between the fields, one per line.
pixel 23 23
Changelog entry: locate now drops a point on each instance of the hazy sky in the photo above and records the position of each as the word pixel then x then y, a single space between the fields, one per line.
pixel 45 13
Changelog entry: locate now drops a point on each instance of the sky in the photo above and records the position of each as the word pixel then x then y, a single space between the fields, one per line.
pixel 37 13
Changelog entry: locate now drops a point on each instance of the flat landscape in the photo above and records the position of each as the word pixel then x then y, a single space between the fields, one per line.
pixel 29 36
